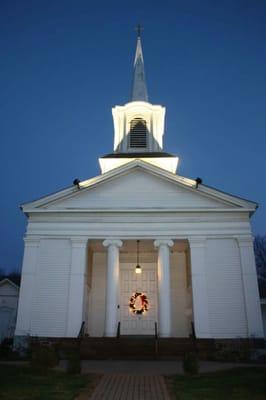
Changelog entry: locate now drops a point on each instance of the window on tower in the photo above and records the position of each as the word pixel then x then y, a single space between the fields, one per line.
pixel 138 133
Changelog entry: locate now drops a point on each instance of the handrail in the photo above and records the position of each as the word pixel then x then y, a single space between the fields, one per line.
pixel 156 338
pixel 118 330
pixel 81 331
pixel 193 333
pixel 155 330
pixel 193 336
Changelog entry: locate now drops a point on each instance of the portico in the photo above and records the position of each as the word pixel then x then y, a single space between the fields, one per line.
pixel 159 259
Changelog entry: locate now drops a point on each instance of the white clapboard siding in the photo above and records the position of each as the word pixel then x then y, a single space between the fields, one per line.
pixel 179 295
pixel 141 190
pixel 50 302
pixel 225 289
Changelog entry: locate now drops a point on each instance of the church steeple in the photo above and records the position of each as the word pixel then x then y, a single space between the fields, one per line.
pixel 138 126
pixel 139 87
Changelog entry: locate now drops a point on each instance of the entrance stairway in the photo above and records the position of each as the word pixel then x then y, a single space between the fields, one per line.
pixel 134 348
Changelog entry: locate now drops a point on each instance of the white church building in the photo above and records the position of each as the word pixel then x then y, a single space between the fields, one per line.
pixel 139 246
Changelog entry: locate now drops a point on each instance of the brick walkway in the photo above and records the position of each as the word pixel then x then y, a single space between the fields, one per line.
pixel 131 387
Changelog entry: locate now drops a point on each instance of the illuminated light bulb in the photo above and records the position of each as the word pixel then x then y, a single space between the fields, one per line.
pixel 138 269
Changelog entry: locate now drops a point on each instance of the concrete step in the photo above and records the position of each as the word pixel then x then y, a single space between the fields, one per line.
pixel 133 348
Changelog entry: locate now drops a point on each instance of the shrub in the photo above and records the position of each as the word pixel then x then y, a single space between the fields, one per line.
pixel 43 357
pixel 5 349
pixel 231 352
pixel 74 362
pixel 190 364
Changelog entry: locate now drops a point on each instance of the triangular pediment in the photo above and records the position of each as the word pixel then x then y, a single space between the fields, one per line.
pixel 138 187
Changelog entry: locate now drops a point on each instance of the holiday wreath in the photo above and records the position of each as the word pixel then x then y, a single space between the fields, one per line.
pixel 138 303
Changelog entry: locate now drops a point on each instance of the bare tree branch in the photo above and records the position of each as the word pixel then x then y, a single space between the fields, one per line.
pixel 260 254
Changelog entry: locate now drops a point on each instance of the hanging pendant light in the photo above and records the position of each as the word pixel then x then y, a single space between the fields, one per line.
pixel 138 267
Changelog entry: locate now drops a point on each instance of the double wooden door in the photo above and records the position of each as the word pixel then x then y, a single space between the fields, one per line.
pixel 131 283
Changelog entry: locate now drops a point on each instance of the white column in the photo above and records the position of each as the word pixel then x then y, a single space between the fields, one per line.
pixel 112 286
pixel 31 251
pixel 164 287
pixel 77 286
pixel 250 284
pixel 199 287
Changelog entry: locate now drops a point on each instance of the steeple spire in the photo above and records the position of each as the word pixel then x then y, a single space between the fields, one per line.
pixel 139 88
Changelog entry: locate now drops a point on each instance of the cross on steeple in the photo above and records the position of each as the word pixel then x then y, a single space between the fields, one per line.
pixel 139 28
pixel 139 88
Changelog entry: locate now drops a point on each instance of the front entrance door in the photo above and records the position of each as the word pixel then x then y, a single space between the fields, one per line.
pixel 130 283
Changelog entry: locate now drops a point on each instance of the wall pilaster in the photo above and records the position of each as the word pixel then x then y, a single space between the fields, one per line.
pixel 250 285
pixel 77 286
pixel 28 281
pixel 199 287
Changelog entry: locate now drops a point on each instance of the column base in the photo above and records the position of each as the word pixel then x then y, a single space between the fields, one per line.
pixel 165 335
pixel 109 334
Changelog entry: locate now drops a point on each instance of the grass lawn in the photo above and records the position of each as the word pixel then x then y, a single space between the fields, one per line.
pixel 22 383
pixel 235 384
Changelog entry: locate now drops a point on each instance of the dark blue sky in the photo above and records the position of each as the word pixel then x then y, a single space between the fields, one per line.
pixel 64 64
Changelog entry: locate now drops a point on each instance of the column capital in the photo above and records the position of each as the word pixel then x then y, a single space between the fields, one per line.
pixel 197 241
pixel 163 242
pixel 32 241
pixel 245 241
pixel 79 241
pixel 112 242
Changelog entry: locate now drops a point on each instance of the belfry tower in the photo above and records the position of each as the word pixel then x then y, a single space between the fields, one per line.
pixel 138 126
